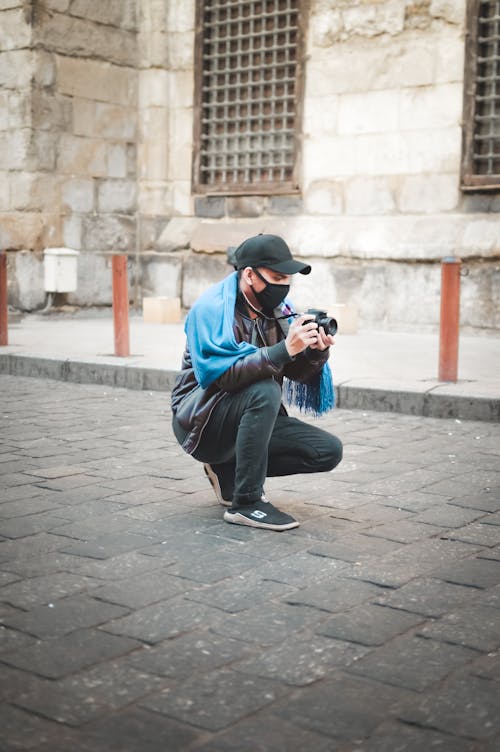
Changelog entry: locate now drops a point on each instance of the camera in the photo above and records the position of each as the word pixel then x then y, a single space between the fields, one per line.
pixel 328 323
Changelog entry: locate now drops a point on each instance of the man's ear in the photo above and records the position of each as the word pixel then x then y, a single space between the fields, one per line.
pixel 247 275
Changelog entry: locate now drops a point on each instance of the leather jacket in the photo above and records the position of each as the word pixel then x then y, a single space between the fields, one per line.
pixel 192 405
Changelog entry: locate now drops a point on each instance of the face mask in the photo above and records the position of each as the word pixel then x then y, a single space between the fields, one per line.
pixel 272 295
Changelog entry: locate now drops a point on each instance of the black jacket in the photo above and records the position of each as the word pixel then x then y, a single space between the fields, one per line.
pixel 192 405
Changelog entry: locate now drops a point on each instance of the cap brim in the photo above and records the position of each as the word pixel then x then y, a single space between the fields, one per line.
pixel 290 266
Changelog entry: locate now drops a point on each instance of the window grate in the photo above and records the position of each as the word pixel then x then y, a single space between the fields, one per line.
pixel 481 162
pixel 248 93
pixel 486 154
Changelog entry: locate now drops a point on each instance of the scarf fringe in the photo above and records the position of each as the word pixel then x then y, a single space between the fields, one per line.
pixel 316 397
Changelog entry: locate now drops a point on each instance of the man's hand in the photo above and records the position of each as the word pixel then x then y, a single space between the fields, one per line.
pixel 304 333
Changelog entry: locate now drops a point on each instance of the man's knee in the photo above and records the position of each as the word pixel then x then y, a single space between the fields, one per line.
pixel 265 393
pixel 332 453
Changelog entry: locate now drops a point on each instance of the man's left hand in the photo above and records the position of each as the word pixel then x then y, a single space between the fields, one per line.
pixel 324 340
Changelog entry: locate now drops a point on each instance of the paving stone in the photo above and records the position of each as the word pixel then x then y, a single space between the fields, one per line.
pixel 354 547
pixel 182 656
pixel 22 730
pixel 215 700
pixel 33 523
pixel 300 569
pixel 334 595
pixel 73 652
pixel 267 733
pixel 107 546
pixel 40 543
pixel 239 593
pixel 480 573
pixel 189 546
pixel 135 729
pixel 475 627
pixel 34 505
pixel 80 698
pixel 411 662
pixel 45 589
pixel 399 737
pixel 11 640
pixel 301 661
pixel 406 531
pixel 368 624
pixel 265 626
pixel 63 616
pixel 344 706
pixel 466 706
pixel 214 567
pixel 162 620
pixel 426 596
pixel 480 534
pixel 136 592
pixel 117 568
pixel 485 501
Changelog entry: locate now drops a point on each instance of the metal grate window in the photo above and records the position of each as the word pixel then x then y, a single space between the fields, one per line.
pixel 481 165
pixel 248 95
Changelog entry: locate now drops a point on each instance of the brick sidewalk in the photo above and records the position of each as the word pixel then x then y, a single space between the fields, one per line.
pixel 135 619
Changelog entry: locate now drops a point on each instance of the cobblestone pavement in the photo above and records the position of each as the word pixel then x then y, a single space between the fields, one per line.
pixel 136 620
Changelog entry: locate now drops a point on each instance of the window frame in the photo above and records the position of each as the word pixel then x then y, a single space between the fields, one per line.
pixel 269 188
pixel 469 179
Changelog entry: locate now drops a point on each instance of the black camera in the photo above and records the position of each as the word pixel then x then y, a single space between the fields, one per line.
pixel 328 323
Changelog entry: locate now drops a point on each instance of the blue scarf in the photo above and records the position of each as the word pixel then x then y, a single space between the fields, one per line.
pixel 213 347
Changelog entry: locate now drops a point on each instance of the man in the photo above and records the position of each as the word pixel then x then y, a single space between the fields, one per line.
pixel 243 340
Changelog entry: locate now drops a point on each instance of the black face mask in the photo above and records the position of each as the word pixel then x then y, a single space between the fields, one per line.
pixel 272 295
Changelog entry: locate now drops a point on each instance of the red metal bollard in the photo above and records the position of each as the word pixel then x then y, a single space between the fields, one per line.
pixel 120 306
pixel 4 310
pixel 450 318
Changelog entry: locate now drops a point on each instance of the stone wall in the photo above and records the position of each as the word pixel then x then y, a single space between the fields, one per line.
pixel 96 114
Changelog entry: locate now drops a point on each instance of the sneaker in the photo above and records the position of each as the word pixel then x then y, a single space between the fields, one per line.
pixel 261 514
pixel 214 482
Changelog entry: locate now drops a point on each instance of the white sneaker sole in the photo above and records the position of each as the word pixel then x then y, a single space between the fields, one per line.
pixel 239 519
pixel 214 482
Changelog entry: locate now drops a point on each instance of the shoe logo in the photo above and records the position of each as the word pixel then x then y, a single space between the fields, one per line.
pixel 258 514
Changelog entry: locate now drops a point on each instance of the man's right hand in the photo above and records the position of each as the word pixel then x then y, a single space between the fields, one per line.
pixel 302 334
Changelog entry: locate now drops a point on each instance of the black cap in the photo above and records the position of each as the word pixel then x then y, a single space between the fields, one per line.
pixel 269 251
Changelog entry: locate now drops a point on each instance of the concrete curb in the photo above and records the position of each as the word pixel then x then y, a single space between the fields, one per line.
pixel 432 401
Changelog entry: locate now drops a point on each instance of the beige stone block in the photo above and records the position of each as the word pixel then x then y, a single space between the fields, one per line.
pixel 16 69
pixel 324 197
pixel 5 191
pixel 153 88
pixel 321 115
pixel 327 158
pixel 181 16
pixel 152 49
pixel 45 68
pixel 98 119
pixel 182 198
pixel 16 149
pixel 161 310
pixel 177 233
pixel 120 13
pixel 428 107
pixel 428 193
pixel 34 191
pixel 369 196
pixel 82 156
pixel 450 53
pixel 436 151
pixel 180 50
pixel 153 151
pixel 116 196
pixel 72 232
pixel 78 196
pixel 152 14
pixel 451 11
pixel 95 80
pixel 181 88
pixel 19 109
pixel 368 112
pixel 154 198
pixel 117 161
pixel 4 110
pixel 346 315
pixel 35 230
pixel 374 19
pixel 15 29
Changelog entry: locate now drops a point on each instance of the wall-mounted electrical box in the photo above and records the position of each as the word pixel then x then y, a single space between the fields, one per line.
pixel 60 267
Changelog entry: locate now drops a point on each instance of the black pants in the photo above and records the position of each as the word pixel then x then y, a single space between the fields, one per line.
pixel 246 440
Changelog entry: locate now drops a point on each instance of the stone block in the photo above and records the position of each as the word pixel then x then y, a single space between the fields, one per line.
pixel 117 162
pixel 213 207
pixel 152 49
pixel 321 115
pixel 430 107
pixel 116 196
pixel 16 29
pixel 181 18
pixel 34 191
pixel 72 232
pixel 109 233
pixel 16 149
pixel 50 112
pixel 119 13
pixel 77 194
pixel 428 193
pixel 153 88
pixel 368 624
pixel 155 198
pixel 369 195
pixel 26 289
pixel 16 69
pixel 96 80
pixel 434 151
pixel 369 20
pixel 181 90
pixel 449 56
pixel 161 310
pixel 451 11
pixel 324 197
pixel 180 50
pixel 17 110
pixel 199 272
pixel 245 206
pixel 98 119
pixel 161 274
pixel 82 156
pixel 285 205
pixel 177 233
pixel 45 69
pixel 34 230
pixel 73 36
pixel 368 112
